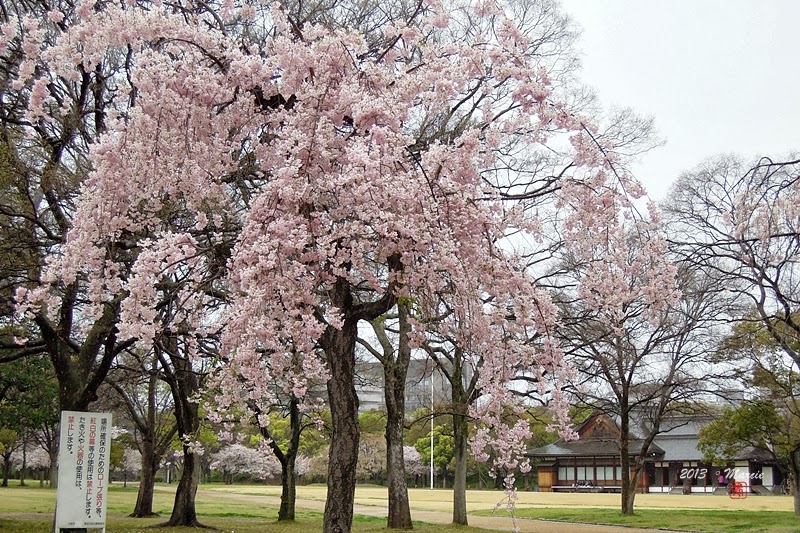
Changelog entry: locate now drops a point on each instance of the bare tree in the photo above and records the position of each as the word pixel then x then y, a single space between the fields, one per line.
pixel 139 386
pixel 739 222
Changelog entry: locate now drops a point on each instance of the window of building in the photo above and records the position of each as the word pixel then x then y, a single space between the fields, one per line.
pixel 566 473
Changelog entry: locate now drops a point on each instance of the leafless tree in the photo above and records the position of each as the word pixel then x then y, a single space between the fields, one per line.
pixel 739 223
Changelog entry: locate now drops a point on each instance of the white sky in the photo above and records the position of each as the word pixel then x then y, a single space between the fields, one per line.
pixel 718 76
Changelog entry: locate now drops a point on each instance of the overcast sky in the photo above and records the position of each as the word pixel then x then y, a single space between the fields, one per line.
pixel 718 76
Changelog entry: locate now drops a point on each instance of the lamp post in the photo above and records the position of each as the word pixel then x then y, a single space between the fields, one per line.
pixel 431 429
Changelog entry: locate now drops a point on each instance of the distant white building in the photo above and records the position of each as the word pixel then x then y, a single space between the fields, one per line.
pixel 425 384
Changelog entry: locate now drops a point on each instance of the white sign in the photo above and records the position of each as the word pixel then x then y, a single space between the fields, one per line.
pixel 83 470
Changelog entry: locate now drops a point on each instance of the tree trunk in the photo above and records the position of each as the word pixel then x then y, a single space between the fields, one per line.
pixel 395 370
pixel 144 499
pixel 343 456
pixel 53 470
pixel 6 468
pixel 628 488
pixel 339 345
pixel 184 512
pixel 23 471
pixel 288 462
pixel 460 399
pixel 184 384
pixel 399 508
pixel 288 489
pixel 460 477
pixel 154 443
pixel 794 467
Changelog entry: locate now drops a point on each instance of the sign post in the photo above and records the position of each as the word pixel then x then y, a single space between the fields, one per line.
pixel 83 470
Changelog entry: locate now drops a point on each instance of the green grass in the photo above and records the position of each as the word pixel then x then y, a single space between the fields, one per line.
pixel 38 506
pixel 233 525
pixel 723 521
pixel 242 509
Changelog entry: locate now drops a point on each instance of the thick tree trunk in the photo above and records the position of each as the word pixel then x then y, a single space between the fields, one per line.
pixel 339 345
pixel 460 477
pixel 794 468
pixel 144 499
pixel 288 489
pixel 184 384
pixel 184 512
pixel 343 456
pixel 395 370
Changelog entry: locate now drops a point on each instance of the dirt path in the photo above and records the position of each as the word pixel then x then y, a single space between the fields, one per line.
pixel 497 523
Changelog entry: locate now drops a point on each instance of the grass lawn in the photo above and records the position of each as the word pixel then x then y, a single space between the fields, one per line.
pixel 30 510
pixel 253 509
pixel 308 523
pixel 719 521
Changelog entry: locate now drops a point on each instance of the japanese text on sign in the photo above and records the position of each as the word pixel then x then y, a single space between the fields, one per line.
pixel 83 469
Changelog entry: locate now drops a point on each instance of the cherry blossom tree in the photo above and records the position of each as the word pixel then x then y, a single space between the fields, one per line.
pixel 45 158
pixel 131 464
pixel 35 459
pixel 413 462
pixel 651 364
pixel 280 397
pixel 624 283
pixel 239 459
pixel 369 167
pixel 328 279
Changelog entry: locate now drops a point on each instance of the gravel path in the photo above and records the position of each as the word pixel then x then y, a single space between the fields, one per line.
pixel 503 523
pixel 496 523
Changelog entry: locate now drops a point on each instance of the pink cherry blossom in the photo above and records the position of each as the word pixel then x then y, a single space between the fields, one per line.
pixel 324 168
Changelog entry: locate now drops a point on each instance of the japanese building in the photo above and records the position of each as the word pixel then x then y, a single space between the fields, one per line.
pixel 674 463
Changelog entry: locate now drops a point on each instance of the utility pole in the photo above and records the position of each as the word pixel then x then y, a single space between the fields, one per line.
pixel 432 428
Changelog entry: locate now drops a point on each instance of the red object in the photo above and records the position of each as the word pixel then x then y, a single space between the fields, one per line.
pixel 738 490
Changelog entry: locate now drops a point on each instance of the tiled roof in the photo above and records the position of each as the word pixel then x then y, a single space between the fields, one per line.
pixel 677 443
pixel 681 448
pixel 586 448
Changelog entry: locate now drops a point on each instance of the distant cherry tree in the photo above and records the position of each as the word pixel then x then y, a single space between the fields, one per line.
pixel 237 459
